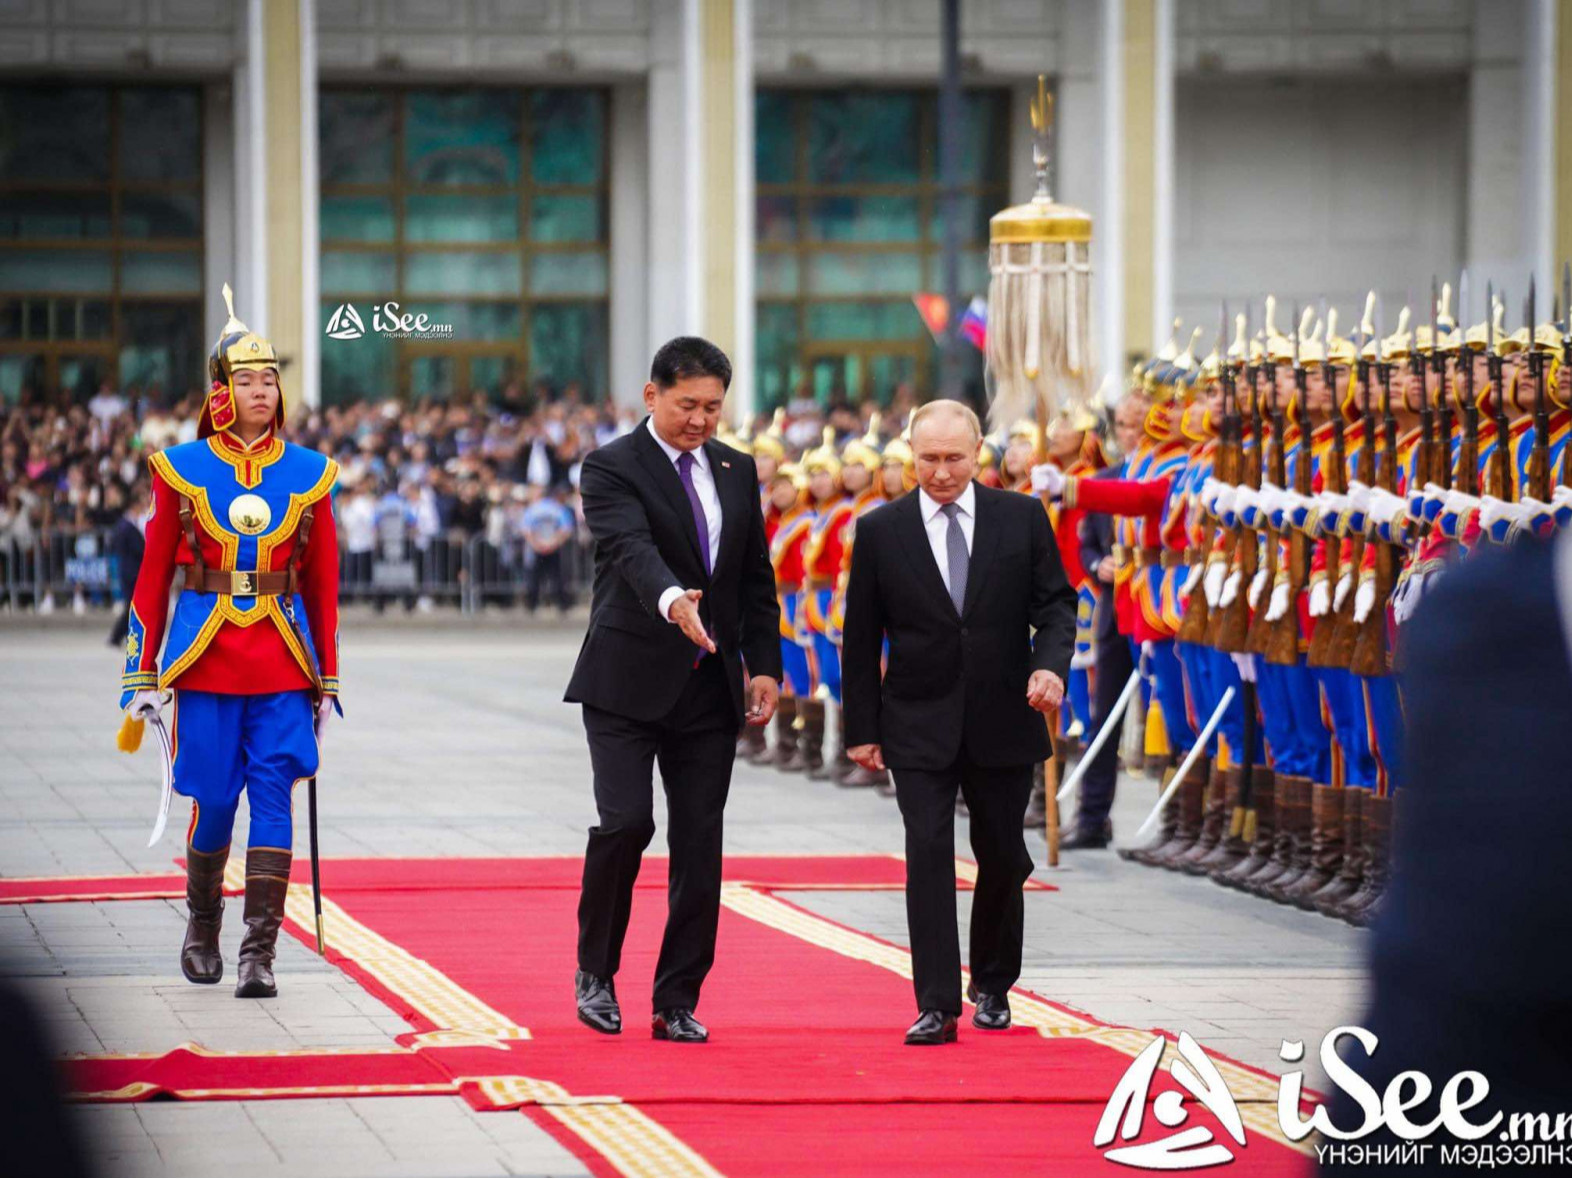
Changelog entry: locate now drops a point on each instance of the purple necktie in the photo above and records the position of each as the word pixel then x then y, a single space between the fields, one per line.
pixel 700 520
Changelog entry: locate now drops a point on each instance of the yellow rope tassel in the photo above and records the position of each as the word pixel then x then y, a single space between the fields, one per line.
pixel 1156 732
pixel 129 738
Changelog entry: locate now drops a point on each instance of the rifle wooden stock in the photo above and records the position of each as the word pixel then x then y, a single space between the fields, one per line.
pixel 1260 630
pixel 1193 626
pixel 1231 628
pixel 1282 640
pixel 1372 654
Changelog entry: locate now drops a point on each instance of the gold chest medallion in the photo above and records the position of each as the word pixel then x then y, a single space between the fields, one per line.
pixel 249 514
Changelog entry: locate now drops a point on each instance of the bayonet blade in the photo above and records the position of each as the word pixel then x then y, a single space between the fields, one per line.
pixel 1490 319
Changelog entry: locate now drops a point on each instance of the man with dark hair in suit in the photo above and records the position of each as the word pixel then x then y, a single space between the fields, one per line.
pixel 683 602
pixel 958 578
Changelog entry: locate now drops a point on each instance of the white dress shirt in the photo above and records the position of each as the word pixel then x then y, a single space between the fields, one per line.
pixel 709 499
pixel 937 525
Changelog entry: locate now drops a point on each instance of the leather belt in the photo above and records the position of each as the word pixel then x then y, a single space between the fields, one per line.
pixel 790 587
pixel 1121 554
pixel 1148 555
pixel 239 583
pixel 820 583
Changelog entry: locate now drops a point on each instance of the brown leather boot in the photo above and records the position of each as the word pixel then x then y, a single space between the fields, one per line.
pixel 1303 816
pixel 1326 847
pixel 811 713
pixel 1192 818
pixel 1361 907
pixel 1258 829
pixel 1293 825
pixel 200 959
pixel 788 736
pixel 750 743
pixel 1168 830
pixel 1231 844
pixel 1217 808
pixel 267 886
pixel 1345 884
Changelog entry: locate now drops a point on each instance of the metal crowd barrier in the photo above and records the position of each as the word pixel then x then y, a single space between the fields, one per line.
pixel 452 571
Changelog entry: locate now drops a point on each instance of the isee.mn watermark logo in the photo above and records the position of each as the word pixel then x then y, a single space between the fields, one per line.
pixel 1518 1139
pixel 387 319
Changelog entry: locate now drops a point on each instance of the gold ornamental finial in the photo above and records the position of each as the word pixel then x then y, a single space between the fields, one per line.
pixel 1367 324
pixel 1042 125
pixel 234 324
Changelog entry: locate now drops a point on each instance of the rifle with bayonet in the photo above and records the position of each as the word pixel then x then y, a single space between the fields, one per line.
pixel 1232 622
pixel 1334 481
pixel 1441 467
pixel 1345 631
pixel 1371 654
pixel 1419 368
pixel 1468 448
pixel 1283 643
pixel 1537 483
pixel 1194 625
pixel 1271 472
pixel 1501 466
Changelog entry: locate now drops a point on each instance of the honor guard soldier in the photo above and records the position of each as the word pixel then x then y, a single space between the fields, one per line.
pixel 832 511
pixel 787 522
pixel 249 657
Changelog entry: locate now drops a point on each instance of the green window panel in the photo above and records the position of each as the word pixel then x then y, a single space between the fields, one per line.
pixel 355 137
pixel 774 138
pixel 355 369
pixel 162 344
pixel 974 213
pixel 161 214
pixel 865 273
pixel 864 219
pixel 567 136
pixel 864 321
pixel 775 275
pixel 54 215
pixel 465 137
pixel 569 342
pixel 442 218
pixel 454 272
pixel 165 272
pixel 356 219
pixel 358 272
pixel 567 217
pixel 54 134
pixel 775 220
pixel 160 134
pixel 56 271
pixel 864 137
pixel 472 321
pixel 568 274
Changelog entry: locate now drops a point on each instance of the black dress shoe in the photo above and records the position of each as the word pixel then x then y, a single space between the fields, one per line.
pixel 678 1025
pixel 932 1027
pixel 1085 838
pixel 993 1011
pixel 597 999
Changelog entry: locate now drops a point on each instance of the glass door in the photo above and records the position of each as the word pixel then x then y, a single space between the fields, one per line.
pixel 439 370
pixel 863 370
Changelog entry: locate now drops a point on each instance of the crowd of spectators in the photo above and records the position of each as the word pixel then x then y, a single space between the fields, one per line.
pixel 420 483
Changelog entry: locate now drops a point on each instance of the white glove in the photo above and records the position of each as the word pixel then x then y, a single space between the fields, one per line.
pixel 1406 600
pixel 145 705
pixel 1433 495
pixel 1216 574
pixel 325 711
pixel 1257 584
pixel 1385 507
pixel 1246 665
pixel 1270 498
pixel 1227 499
pixel 1047 479
pixel 1561 499
pixel 1493 511
pixel 1344 583
pixel 1359 496
pixel 1333 505
pixel 1191 579
pixel 1455 503
pixel 1245 498
pixel 1320 598
pixel 1364 600
pixel 1208 493
pixel 1278 605
pixel 1230 589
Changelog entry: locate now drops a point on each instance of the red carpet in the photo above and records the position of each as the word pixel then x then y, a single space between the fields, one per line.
pixel 805 1072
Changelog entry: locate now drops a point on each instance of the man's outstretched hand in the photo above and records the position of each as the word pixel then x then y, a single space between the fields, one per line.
pixel 763 695
pixel 869 757
pixel 1044 691
pixel 685 613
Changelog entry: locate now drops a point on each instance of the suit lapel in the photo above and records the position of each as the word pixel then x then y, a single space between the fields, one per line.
pixel 666 478
pixel 919 553
pixel 985 536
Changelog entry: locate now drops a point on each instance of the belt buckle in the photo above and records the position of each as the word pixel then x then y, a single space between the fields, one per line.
pixel 244 585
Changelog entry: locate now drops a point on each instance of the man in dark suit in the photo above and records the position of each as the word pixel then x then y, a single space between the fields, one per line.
pixel 957 578
pixel 683 602
pixel 1471 941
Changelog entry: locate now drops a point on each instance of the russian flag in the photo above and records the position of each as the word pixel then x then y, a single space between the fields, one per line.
pixel 974 323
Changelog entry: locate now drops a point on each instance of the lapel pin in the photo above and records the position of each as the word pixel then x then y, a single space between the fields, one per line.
pixel 725 464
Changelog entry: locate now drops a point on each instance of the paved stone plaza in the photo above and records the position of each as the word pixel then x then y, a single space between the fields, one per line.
pixel 456 744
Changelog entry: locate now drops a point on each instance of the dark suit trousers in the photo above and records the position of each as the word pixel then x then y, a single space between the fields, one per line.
pixel 1115 662
pixel 695 745
pixel 997 799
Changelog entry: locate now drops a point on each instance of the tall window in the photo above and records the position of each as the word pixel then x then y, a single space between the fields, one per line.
pixel 100 239
pixel 849 227
pixel 480 208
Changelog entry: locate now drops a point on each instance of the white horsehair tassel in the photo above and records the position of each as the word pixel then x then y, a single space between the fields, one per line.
pixel 1034 313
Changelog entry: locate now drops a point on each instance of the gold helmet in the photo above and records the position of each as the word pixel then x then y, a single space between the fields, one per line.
pixel 773 441
pixel 1025 430
pixel 238 348
pixel 823 457
pixel 864 451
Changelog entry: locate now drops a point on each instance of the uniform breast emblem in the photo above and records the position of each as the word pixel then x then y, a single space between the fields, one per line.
pixel 250 514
